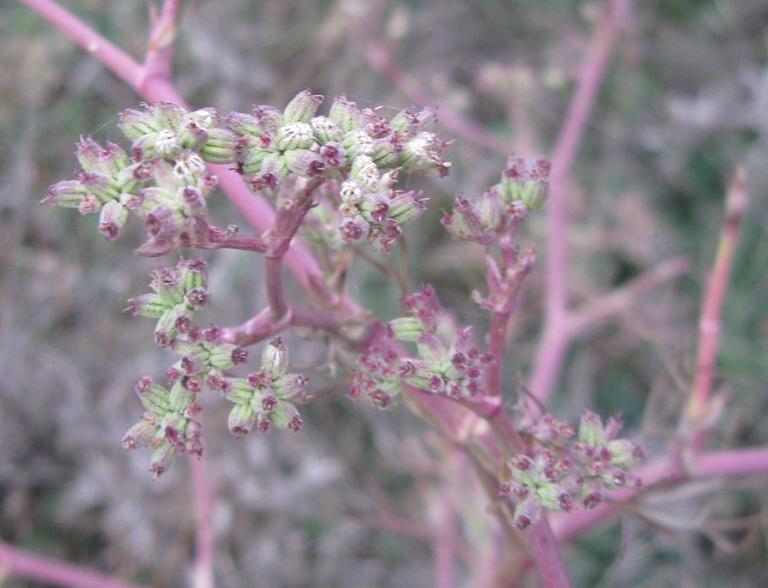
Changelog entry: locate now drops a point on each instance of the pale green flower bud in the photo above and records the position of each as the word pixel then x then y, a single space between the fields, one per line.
pixel 295 135
pixel 204 117
pixel 528 184
pixel 406 328
pixel 243 124
pixel 251 160
pixel 364 170
pixel 356 142
pixel 220 147
pixel 163 458
pixel 149 305
pixel 345 114
pixel 193 274
pixel 302 108
pixel 136 124
pixel 524 471
pixel 193 136
pixel 241 419
pixel 95 158
pixel 407 206
pixel 142 433
pixel 289 385
pixel 421 154
pixel 387 151
pixel 167 144
pixel 179 398
pixel 326 130
pixel 528 512
pixel 286 417
pixel 304 163
pixel 591 431
pixel 624 453
pixel 239 391
pixel 554 497
pixel 103 187
pixel 68 194
pixel 112 221
pixel 169 116
pixel 153 398
pixel 227 356
pixel 431 349
pixel 189 167
pixel 274 358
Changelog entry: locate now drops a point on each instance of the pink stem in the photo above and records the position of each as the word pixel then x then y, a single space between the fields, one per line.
pixel 203 499
pixel 547 556
pixel 554 341
pixel 714 298
pixel 15 562
pixel 669 471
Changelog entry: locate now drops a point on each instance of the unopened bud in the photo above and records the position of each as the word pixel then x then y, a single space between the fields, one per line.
pixel 345 114
pixel 220 147
pixel 274 359
pixel 113 218
pixel 136 124
pixel 169 116
pixel 163 458
pixel 68 194
pixel 302 108
pixel 326 130
pixel 406 328
pixel 241 419
pixel 528 512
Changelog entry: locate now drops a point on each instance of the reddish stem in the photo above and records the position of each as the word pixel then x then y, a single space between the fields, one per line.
pixel 554 341
pixel 547 556
pixel 712 308
pixel 15 562
pixel 203 499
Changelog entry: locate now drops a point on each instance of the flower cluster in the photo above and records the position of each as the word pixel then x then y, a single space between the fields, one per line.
pixel 456 370
pixel 178 293
pixel 359 150
pixel 169 426
pixel 523 187
pixel 263 398
pixel 165 182
pixel 562 471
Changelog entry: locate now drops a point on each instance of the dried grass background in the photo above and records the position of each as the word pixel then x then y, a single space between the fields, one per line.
pixel 685 101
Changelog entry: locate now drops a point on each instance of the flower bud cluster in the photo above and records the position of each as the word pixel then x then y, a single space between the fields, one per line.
pixel 178 294
pixel 165 182
pixel 457 370
pixel 356 148
pixel 167 130
pixel 562 471
pixel 523 187
pixel 274 144
pixel 263 398
pixel 168 426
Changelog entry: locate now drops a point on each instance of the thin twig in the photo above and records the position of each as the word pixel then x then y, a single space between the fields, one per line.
pixel 554 340
pixel 203 573
pixel 736 202
pixel 15 562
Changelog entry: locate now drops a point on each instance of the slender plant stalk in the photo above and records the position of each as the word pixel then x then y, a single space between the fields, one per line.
pixel 555 339
pixel 204 548
pixel 15 562
pixel 698 408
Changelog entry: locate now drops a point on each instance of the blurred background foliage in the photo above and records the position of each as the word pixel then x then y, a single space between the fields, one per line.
pixel 685 101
